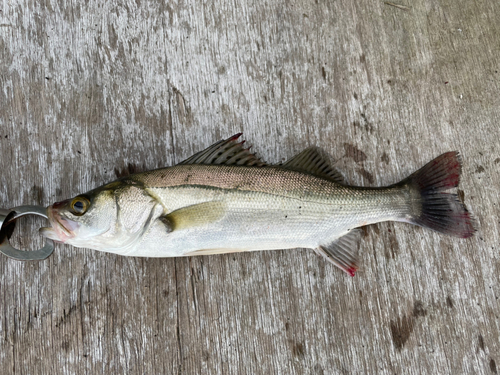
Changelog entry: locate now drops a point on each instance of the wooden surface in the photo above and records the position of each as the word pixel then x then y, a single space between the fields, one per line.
pixel 93 90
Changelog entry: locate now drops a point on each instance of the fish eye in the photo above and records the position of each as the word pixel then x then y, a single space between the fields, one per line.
pixel 80 205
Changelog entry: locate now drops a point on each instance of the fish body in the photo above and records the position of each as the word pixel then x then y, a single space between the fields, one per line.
pixel 224 199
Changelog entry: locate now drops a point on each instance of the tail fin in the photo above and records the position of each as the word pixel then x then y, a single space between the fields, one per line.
pixel 440 211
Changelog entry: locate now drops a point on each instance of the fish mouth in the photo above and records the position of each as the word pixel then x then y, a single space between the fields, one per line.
pixel 58 231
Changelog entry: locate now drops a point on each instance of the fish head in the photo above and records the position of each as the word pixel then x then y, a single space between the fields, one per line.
pixel 108 218
pixel 82 218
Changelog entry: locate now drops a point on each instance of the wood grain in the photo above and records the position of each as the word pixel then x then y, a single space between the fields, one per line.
pixel 93 90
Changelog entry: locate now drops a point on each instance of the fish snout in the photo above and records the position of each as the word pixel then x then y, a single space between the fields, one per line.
pixel 61 229
pixel 59 205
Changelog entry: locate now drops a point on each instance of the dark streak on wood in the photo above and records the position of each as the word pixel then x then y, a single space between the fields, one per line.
pixel 354 153
pixel 401 329
pixel 449 302
pixel 363 172
pixel 419 310
pixel 480 342
pixel 493 366
pixel 402 7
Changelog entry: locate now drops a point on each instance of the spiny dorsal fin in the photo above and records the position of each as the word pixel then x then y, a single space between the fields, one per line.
pixel 343 252
pixel 227 152
pixel 314 161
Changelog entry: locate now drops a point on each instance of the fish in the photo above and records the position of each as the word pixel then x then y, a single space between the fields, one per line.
pixel 225 199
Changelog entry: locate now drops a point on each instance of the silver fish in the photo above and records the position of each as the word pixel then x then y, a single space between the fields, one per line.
pixel 224 199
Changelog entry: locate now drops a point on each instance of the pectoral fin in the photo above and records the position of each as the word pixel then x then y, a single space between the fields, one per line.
pixel 343 252
pixel 195 215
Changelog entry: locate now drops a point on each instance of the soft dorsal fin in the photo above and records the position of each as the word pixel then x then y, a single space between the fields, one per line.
pixel 343 252
pixel 227 152
pixel 314 161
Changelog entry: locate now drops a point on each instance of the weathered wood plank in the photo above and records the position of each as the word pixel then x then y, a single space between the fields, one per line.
pixel 90 91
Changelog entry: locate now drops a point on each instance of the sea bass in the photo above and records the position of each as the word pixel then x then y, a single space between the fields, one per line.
pixel 224 199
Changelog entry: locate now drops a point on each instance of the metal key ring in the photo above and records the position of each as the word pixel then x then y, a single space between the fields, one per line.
pixel 8 223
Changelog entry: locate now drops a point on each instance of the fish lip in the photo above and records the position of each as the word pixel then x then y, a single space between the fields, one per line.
pixel 58 227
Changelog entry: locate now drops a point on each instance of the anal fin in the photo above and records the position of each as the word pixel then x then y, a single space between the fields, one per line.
pixel 343 252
